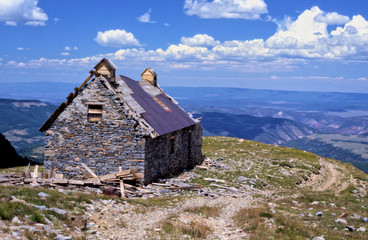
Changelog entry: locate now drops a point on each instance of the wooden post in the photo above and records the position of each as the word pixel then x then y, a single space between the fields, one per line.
pixel 51 172
pixel 35 172
pixel 27 173
pixel 122 188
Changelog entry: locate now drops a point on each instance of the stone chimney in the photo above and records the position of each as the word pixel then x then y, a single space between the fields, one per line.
pixel 150 76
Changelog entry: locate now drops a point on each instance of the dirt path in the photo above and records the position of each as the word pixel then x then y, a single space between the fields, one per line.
pixel 329 177
pixel 131 221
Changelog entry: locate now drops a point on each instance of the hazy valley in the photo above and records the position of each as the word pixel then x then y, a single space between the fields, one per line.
pixel 329 124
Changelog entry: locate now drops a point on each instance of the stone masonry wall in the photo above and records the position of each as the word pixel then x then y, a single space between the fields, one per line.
pixel 103 146
pixel 161 163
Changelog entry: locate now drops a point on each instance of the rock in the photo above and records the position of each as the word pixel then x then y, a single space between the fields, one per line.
pixel 91 231
pixel 39 207
pixel 350 228
pixel 165 191
pixel 42 195
pixel 90 206
pixel 319 238
pixel 319 214
pixel 361 229
pixel 344 215
pixel 15 220
pixel 47 228
pixel 79 222
pixel 90 225
pixel 241 178
pixel 47 221
pixel 341 221
pixel 61 191
pixel 333 205
pixel 315 203
pixel 364 219
pixel 356 216
pixel 61 237
pixel 58 210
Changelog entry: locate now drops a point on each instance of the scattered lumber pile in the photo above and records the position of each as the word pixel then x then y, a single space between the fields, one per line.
pixel 128 183
pixel 49 177
pixel 110 184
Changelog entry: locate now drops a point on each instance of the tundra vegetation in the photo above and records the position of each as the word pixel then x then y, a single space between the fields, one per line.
pixel 249 191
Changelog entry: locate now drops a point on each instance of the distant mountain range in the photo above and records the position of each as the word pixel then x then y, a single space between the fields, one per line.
pixel 285 118
pixel 262 129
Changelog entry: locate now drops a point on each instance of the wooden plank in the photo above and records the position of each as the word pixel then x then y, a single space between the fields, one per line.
pixel 76 182
pixel 115 175
pixel 95 111
pixel 28 180
pixel 84 173
pixel 89 170
pixel 59 176
pixel 137 177
pixel 122 173
pixel 214 180
pixel 59 181
pixel 95 119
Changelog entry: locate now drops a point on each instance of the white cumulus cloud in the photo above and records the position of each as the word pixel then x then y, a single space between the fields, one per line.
pixel 24 11
pixel 200 40
pixel 332 18
pixel 245 9
pixel 116 38
pixel 146 17
pixel 296 42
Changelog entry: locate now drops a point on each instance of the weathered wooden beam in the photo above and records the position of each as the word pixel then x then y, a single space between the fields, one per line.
pixel 89 170
pixel 92 73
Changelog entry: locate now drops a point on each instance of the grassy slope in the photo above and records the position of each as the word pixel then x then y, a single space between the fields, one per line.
pixel 280 194
pixel 279 170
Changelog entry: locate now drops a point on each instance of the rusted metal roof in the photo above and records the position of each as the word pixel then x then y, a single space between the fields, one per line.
pixel 147 101
pixel 162 119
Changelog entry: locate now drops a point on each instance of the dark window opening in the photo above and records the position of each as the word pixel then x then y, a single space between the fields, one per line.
pixel 172 145
pixel 94 113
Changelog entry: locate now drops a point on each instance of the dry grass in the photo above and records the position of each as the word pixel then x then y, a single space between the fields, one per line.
pixel 172 228
pixel 195 229
pixel 205 211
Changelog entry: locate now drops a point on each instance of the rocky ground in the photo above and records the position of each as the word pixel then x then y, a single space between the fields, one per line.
pixel 248 191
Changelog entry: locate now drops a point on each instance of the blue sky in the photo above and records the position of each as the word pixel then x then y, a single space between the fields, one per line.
pixel 318 45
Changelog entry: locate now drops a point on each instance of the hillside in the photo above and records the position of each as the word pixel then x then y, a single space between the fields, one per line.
pixel 9 157
pixel 249 191
pixel 262 129
pixel 19 123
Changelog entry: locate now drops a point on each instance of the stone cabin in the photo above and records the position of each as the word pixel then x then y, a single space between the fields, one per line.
pixel 112 121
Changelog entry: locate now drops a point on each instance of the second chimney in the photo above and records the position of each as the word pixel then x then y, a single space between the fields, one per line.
pixel 150 76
